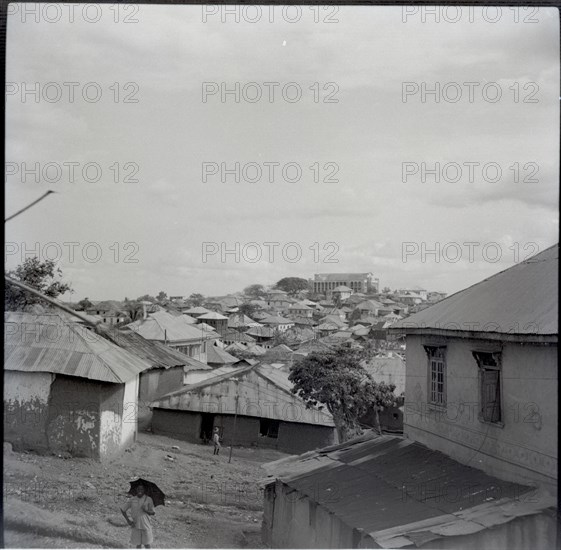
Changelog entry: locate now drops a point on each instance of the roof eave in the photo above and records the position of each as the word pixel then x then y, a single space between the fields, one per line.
pixel 479 335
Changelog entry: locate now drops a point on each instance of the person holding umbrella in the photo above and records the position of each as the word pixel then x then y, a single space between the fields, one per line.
pixel 141 506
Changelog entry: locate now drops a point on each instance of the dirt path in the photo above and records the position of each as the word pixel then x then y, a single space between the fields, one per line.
pixel 53 502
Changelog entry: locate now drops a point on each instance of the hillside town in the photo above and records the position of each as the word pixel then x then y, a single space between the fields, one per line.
pixel 281 276
pixel 465 450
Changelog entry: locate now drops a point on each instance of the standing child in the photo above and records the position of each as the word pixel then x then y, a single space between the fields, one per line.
pixel 216 441
pixel 141 507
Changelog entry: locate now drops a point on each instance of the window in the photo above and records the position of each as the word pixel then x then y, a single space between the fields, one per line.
pixel 187 350
pixel 490 385
pixel 437 375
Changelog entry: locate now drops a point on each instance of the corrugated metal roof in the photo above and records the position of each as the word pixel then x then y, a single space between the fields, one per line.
pixel 278 353
pixel 212 316
pixel 520 300
pixel 161 325
pixel 386 485
pixel 198 310
pixel 240 320
pixel 255 349
pixel 216 355
pixel 155 353
pixel 49 343
pixel 276 320
pixel 262 332
pixel 235 336
pixel 313 346
pixel 266 401
pixel 236 346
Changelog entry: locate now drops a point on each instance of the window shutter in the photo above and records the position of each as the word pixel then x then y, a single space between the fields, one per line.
pixel 491 397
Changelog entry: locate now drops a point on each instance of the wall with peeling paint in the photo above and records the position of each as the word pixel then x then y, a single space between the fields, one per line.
pixel 524 447
pixel 74 416
pixel 45 412
pixel 130 415
pixel 111 420
pixel 26 396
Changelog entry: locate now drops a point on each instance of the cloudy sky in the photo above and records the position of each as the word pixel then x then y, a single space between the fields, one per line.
pixel 363 202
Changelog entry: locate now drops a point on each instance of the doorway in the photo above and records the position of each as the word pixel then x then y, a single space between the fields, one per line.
pixel 207 423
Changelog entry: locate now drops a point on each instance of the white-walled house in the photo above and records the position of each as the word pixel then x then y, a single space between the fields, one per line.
pixel 67 389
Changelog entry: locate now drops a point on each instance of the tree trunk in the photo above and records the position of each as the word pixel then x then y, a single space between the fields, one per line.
pixel 341 427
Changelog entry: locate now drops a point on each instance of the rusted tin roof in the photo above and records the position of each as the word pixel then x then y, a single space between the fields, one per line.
pixel 155 353
pixel 218 356
pixel 260 390
pixel 521 300
pixel 399 491
pixel 48 343
pixel 163 326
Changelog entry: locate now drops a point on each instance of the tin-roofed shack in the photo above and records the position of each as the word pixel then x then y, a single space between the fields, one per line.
pixel 257 399
pixel 389 492
pixel 66 388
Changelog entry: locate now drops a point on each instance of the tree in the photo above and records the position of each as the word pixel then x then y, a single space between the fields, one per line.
pixel 355 315
pixel 255 291
pixel 247 309
pixel 134 309
pixel 196 299
pixel 84 305
pixel 280 338
pixel 291 285
pixel 43 276
pixel 386 290
pixel 337 380
pixel 161 297
pixel 337 300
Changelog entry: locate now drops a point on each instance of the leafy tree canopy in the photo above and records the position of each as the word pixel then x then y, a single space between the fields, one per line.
pixel 255 291
pixel 43 276
pixel 291 285
pixel 337 381
pixel 196 299
pixel 247 309
pixel 84 305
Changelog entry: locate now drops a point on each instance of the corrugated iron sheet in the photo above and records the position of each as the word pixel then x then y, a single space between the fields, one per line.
pixel 379 483
pixel 48 343
pixel 155 353
pixel 162 326
pixel 520 300
pixel 262 390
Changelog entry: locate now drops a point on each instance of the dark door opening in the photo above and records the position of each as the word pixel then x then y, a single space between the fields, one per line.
pixel 207 423
pixel 269 428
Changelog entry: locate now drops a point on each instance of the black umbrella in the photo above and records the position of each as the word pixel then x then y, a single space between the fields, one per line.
pixel 150 489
